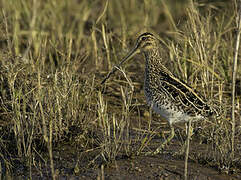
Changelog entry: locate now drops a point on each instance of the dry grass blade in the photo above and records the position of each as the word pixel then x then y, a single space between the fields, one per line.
pixel 235 61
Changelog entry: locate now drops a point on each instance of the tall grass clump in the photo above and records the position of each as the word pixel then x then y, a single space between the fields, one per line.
pixel 203 53
pixel 44 90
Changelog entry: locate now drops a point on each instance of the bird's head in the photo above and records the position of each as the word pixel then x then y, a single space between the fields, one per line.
pixel 145 42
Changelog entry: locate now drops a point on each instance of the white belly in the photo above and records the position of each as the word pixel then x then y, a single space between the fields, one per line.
pixel 173 115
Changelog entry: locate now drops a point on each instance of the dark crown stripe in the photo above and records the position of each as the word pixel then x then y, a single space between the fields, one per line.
pixel 146 34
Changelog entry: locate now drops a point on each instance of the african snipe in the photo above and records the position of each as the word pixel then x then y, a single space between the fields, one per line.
pixel 166 94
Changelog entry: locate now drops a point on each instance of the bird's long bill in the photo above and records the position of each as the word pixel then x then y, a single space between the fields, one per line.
pixel 134 51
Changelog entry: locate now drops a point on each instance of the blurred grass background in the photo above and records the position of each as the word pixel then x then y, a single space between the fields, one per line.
pixel 54 55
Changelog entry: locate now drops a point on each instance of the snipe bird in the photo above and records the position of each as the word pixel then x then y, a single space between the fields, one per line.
pixel 166 94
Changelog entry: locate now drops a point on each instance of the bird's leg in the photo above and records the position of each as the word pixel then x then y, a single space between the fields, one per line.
pixel 163 144
pixel 170 137
pixel 189 131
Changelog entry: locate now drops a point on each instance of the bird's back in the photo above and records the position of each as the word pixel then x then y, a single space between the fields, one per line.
pixel 171 97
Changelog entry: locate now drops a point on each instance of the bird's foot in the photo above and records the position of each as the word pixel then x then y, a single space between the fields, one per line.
pixel 157 151
pixel 161 147
pixel 181 151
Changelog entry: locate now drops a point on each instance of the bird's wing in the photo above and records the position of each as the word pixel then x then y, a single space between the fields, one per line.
pixel 182 95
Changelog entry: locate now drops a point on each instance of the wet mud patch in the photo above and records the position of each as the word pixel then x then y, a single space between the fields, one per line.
pixel 163 166
pixel 72 163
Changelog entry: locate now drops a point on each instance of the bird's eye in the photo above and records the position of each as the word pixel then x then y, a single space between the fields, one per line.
pixel 143 38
